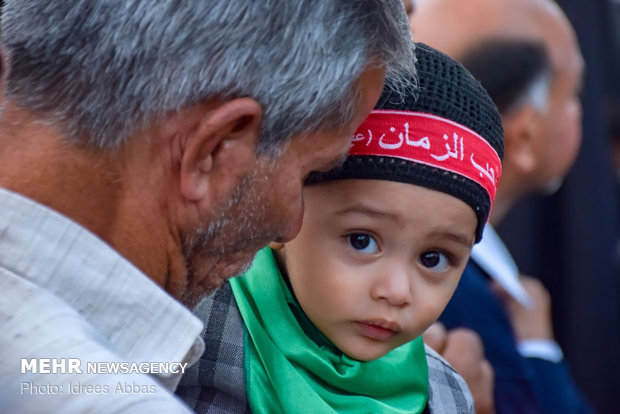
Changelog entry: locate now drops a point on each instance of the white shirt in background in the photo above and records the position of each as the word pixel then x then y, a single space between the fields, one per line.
pixel 494 258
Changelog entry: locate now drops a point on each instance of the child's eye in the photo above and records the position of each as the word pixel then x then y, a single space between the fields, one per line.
pixel 363 243
pixel 434 261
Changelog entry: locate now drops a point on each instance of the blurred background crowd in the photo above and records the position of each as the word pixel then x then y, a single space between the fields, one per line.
pixel 570 239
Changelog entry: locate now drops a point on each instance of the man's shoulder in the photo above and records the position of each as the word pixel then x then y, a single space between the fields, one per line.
pixel 52 355
pixel 448 392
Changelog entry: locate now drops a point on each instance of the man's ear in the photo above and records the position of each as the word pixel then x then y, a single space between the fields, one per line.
pixel 521 132
pixel 219 149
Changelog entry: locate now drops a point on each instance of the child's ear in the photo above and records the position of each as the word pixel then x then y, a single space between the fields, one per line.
pixel 521 132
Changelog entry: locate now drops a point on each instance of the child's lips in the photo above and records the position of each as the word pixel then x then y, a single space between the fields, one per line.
pixel 379 329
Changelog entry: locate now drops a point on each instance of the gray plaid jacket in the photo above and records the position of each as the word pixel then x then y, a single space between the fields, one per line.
pixel 215 384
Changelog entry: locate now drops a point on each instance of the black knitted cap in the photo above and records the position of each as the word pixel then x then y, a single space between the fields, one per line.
pixel 448 91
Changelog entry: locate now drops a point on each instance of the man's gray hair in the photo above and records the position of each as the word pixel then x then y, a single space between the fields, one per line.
pixel 102 69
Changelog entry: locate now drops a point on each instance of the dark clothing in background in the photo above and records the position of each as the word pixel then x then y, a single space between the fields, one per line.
pixel 522 385
pixel 568 240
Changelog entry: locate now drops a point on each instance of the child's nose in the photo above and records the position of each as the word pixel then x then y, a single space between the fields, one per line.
pixel 394 286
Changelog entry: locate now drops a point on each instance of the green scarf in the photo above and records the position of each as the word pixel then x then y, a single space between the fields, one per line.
pixel 287 372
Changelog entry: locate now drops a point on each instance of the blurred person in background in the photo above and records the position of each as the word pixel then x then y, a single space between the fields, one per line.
pixel 568 240
pixel 525 54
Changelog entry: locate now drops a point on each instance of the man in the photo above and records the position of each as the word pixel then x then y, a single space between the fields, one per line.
pixel 149 149
pixel 525 53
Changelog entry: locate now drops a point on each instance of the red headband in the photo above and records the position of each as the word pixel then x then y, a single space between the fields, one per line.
pixel 430 140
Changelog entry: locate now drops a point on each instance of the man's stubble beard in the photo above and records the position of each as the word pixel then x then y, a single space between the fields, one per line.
pixel 225 247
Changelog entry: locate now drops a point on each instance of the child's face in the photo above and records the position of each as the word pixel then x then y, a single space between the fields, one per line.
pixel 377 261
